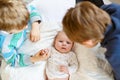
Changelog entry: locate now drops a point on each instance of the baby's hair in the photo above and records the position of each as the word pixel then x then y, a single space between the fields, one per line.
pixel 58 34
pixel 13 15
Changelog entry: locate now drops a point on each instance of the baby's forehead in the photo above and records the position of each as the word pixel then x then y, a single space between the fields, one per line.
pixel 61 34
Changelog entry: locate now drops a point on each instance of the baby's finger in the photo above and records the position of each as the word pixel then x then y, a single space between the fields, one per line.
pixel 46 50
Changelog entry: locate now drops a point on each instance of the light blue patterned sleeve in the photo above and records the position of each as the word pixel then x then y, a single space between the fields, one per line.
pixel 34 13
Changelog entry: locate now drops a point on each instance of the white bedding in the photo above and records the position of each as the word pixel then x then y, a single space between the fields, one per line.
pixel 33 72
pixel 53 10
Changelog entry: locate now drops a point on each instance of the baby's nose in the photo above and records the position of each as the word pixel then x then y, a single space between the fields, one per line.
pixel 64 43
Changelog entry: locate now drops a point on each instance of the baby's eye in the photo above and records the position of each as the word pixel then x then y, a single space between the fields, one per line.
pixel 60 41
pixel 68 42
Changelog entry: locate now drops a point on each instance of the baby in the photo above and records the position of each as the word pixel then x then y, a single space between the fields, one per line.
pixel 62 62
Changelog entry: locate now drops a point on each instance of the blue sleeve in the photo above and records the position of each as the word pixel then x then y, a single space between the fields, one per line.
pixel 113 56
pixel 112 9
pixel 112 38
pixel 34 13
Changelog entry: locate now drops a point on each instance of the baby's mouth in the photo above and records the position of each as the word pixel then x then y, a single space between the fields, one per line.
pixel 63 48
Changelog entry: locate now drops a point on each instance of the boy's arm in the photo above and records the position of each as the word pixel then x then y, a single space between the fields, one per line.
pixel 113 55
pixel 35 20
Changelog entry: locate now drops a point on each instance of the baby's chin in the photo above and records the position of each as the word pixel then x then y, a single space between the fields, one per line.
pixel 64 51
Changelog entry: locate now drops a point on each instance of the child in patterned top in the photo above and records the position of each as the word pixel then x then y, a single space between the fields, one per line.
pixel 14 17
pixel 62 62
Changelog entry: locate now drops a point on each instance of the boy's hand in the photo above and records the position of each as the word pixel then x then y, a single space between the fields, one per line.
pixel 64 69
pixel 39 56
pixel 35 32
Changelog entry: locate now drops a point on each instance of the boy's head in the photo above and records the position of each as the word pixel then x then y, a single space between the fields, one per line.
pixel 62 43
pixel 85 22
pixel 13 15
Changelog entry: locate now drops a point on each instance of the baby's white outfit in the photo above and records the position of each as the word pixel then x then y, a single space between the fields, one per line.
pixel 56 59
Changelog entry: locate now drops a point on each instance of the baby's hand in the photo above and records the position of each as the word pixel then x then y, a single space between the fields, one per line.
pixel 44 51
pixel 35 32
pixel 64 69
pixel 41 55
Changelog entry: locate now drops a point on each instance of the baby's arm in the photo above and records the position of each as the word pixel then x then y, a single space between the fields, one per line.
pixel 35 20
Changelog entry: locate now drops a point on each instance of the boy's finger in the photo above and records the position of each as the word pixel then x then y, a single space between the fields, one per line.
pixel 38 53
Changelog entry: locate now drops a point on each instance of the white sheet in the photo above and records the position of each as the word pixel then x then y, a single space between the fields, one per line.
pixel 53 10
pixel 33 72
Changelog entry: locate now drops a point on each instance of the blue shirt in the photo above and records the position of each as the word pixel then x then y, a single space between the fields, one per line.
pixel 112 38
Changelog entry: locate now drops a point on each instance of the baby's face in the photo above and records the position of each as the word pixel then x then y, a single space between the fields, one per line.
pixel 62 43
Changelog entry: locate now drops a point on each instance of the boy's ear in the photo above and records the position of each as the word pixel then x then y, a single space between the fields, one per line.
pixel 89 43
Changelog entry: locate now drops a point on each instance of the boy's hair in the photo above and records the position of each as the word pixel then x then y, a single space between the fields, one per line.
pixel 85 22
pixel 13 15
